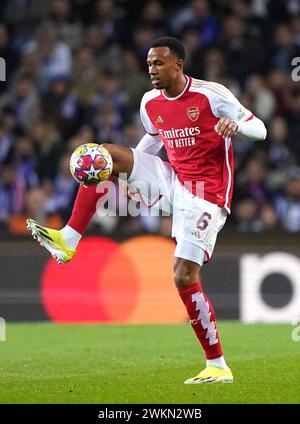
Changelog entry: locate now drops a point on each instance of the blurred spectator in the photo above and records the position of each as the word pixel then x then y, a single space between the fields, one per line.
pixel 63 191
pixel 295 24
pixel 9 53
pixel 243 149
pixel 277 11
pixel 263 101
pixel 107 53
pixel 62 23
pixel 25 164
pixel 24 102
pixel 15 180
pixel 293 120
pixel 35 204
pixel 246 213
pixel 293 7
pixel 19 13
pixel 29 66
pixel 268 220
pixel 107 109
pixel 132 134
pixel 134 81
pixel 197 14
pixel 61 106
pixel 86 77
pixel 6 144
pixel 84 10
pixel 251 183
pixel 287 204
pixel 48 149
pixel 8 119
pixel 194 52
pixel 8 194
pixel 143 35
pixel 238 46
pixel 284 49
pixel 281 85
pixel 112 19
pixel 109 91
pixel 73 143
pixel 108 124
pixel 54 56
pixel 86 134
pixel 154 14
pixel 253 13
pixel 279 156
pixel 213 65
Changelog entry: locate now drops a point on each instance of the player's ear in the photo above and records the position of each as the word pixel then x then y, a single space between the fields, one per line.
pixel 179 64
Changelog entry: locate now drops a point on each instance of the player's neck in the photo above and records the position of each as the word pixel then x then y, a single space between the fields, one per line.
pixel 177 87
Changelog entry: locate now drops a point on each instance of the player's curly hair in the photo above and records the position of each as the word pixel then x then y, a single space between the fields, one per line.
pixel 176 46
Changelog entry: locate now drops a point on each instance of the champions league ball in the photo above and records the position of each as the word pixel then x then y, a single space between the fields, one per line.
pixel 91 164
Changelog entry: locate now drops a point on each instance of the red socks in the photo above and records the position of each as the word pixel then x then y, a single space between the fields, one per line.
pixel 202 319
pixel 84 207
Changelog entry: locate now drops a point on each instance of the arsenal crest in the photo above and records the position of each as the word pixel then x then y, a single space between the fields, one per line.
pixel 193 113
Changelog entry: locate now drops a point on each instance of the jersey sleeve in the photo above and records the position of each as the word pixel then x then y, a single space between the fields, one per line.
pixel 146 121
pixel 227 106
pixel 150 144
pixel 249 126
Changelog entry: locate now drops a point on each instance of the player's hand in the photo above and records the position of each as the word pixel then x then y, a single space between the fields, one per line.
pixel 226 127
pixel 133 194
pixel 126 190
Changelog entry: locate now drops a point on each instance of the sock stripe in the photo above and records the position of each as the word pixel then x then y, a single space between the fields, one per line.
pixel 202 318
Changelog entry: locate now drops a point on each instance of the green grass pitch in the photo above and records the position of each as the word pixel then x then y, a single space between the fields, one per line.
pixel 47 363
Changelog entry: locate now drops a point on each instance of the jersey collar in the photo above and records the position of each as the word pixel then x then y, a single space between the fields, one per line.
pixel 188 82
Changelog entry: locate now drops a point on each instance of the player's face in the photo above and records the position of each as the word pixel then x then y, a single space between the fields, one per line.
pixel 163 67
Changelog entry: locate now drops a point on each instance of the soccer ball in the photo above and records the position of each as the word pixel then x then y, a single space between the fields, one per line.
pixel 91 164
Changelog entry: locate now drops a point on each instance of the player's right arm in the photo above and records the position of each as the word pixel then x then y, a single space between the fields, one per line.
pixel 151 142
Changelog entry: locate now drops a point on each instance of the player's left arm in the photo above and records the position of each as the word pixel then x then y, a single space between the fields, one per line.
pixel 150 144
pixel 236 119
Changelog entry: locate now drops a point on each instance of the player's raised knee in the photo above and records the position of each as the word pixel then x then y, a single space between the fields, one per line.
pixel 181 280
pixel 182 276
pixel 122 158
pixel 111 148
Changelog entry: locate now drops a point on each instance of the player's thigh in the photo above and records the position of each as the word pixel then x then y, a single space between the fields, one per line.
pixel 122 157
pixel 152 179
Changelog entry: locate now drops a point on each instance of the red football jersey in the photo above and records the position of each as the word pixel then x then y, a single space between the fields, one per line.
pixel 186 124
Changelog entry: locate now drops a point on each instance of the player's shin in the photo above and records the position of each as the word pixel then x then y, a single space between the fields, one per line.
pixel 203 321
pixel 84 208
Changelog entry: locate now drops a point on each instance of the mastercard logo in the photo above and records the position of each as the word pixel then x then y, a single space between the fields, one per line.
pixel 110 282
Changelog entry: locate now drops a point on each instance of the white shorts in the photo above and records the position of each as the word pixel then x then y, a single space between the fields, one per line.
pixel 196 222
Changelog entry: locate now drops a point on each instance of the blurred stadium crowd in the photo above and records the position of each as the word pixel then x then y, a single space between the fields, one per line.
pixel 76 72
